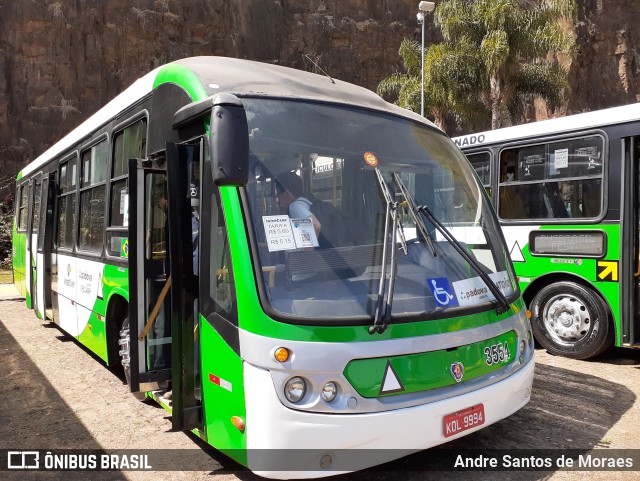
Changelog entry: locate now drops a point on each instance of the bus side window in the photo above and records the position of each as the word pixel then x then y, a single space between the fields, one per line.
pixel 553 200
pixel 510 203
pixel 591 195
pixel 93 173
pixel 66 203
pixel 481 163
pixel 129 143
pixel 23 209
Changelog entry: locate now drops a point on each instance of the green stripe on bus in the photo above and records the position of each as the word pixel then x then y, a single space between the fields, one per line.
pixel 223 399
pixel 430 370
pixel 94 336
pixel 182 76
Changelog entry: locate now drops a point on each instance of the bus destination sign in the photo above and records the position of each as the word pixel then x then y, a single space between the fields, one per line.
pixel 576 243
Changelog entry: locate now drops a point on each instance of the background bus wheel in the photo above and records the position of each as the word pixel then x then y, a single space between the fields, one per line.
pixel 570 320
pixel 125 359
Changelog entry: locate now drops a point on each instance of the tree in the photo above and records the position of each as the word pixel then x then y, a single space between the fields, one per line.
pixel 450 84
pixel 515 42
pixel 496 55
pixel 6 229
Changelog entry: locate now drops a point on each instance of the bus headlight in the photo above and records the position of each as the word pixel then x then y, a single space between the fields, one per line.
pixel 329 391
pixel 295 389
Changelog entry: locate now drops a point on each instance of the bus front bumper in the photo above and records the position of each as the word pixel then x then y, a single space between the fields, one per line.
pixel 283 443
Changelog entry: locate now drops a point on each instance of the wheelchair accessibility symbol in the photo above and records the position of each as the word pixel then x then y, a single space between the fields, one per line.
pixel 442 292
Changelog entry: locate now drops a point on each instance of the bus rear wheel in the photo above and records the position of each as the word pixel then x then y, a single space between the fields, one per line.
pixel 125 357
pixel 570 320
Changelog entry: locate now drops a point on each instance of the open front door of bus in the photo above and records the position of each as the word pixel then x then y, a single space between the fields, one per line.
pixel 629 276
pixel 149 277
pixel 183 167
pixel 162 280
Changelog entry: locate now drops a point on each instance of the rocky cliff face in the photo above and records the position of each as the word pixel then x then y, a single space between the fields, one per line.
pixel 606 69
pixel 60 60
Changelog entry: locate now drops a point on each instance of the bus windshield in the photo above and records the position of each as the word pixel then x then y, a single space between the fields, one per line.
pixel 321 222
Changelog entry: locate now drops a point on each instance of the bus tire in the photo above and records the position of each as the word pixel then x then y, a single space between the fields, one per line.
pixel 570 320
pixel 125 357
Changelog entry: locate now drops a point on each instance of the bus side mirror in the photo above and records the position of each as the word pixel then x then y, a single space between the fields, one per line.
pixel 229 141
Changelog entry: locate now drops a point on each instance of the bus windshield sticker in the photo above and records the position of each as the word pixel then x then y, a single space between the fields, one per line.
pixel 502 282
pixel 123 202
pixel 124 246
pixel 531 165
pixel 474 291
pixel 591 164
pixel 279 233
pixel 469 235
pixel 442 292
pixel 370 159
pixel 303 233
pixel 125 212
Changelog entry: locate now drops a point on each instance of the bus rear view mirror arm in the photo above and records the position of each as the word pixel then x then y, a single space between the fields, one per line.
pixel 229 141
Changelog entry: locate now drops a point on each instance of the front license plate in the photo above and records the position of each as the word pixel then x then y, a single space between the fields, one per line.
pixel 457 422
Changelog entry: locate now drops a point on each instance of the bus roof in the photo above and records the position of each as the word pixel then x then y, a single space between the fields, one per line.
pixel 588 120
pixel 213 75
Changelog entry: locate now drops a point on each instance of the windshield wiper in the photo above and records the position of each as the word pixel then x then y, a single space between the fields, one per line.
pixel 497 293
pixel 383 309
pixel 413 210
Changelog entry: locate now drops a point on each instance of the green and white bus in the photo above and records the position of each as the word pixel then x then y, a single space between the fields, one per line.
pixel 567 194
pixel 153 235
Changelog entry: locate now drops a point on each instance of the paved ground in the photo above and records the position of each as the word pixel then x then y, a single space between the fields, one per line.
pixel 8 292
pixel 57 395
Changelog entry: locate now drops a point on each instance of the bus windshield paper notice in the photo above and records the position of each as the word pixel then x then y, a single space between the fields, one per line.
pixel 561 158
pixel 278 232
pixel 303 233
pixel 284 233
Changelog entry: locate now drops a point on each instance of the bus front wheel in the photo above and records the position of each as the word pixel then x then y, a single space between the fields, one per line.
pixel 570 320
pixel 125 357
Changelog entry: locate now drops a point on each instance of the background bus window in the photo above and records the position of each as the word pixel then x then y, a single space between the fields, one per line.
pixel 531 163
pixel 581 157
pixel 481 163
pixel 555 180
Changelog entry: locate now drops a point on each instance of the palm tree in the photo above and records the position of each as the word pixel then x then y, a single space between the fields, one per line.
pixel 496 55
pixel 450 84
pixel 515 42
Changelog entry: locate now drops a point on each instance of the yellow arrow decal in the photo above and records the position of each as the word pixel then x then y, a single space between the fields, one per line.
pixel 607 271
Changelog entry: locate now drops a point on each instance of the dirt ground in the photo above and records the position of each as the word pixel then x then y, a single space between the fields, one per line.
pixel 57 395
